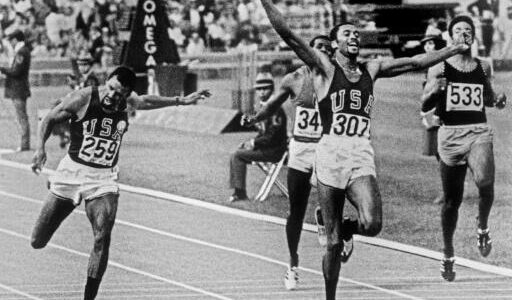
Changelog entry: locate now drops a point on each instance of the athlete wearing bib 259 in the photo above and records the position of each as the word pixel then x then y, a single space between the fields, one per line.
pixel 96 138
pixel 345 152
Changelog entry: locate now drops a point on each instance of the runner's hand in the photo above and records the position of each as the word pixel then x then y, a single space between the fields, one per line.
pixel 501 101
pixel 196 96
pixel 38 161
pixel 247 121
pixel 441 84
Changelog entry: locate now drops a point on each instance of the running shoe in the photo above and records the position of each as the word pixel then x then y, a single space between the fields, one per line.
pixel 447 268
pixel 291 278
pixel 348 248
pixel 484 242
pixel 322 237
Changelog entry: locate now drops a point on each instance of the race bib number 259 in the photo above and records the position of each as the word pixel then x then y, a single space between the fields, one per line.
pixel 464 97
pixel 99 151
pixel 350 125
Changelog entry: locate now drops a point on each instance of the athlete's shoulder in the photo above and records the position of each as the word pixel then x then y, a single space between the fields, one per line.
pixel 486 66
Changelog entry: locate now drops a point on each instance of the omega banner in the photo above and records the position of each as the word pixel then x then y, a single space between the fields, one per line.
pixel 150 44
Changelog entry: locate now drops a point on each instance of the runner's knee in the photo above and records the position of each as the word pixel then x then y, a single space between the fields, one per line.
pixel 371 227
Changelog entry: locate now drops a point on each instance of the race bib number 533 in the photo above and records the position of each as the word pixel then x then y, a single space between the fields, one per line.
pixel 464 97
pixel 98 151
pixel 350 125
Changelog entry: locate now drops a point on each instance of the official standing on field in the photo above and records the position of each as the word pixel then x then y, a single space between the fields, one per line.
pixel 17 87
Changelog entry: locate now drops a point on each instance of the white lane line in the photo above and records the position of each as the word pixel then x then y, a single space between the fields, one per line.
pixel 121 266
pixel 18 292
pixel 280 221
pixel 220 247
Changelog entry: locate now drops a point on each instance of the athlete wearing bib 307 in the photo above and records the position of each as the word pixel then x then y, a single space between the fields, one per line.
pixel 345 166
pixel 460 88
pixel 307 129
pixel 98 120
pixel 345 152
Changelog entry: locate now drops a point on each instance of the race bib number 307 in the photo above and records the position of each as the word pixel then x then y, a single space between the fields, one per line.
pixel 307 123
pixel 98 151
pixel 350 125
pixel 464 97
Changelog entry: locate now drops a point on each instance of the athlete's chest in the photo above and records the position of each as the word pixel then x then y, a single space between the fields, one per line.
pixel 107 127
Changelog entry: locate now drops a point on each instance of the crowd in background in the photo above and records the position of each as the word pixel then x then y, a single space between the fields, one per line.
pixel 74 28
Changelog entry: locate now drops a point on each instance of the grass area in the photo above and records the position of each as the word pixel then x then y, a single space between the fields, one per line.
pixel 196 165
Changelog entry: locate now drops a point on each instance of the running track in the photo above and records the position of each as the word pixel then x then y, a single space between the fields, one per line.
pixel 168 250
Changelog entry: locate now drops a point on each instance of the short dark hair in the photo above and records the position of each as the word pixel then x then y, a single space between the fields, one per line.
pixel 125 75
pixel 334 31
pixel 459 19
pixel 321 36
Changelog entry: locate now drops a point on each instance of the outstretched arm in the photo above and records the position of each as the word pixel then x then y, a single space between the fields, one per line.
pixel 272 105
pixel 65 109
pixel 146 102
pixel 394 67
pixel 316 60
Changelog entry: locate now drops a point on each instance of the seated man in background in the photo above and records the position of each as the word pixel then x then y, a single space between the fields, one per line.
pixel 268 146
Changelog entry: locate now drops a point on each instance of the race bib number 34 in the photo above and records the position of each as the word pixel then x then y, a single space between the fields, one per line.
pixel 307 123
pixel 464 97
pixel 98 151
pixel 350 125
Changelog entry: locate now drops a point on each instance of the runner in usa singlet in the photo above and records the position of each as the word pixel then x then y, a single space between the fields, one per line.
pixel 96 138
pixel 345 111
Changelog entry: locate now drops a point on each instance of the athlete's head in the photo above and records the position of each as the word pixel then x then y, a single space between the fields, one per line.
pixel 462 30
pixel 119 85
pixel 264 86
pixel 322 43
pixel 346 36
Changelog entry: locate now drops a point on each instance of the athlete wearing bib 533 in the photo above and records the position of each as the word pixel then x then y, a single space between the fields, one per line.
pixel 344 159
pixel 307 129
pixel 89 171
pixel 460 88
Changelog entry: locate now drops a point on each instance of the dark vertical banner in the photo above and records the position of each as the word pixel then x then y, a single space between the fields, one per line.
pixel 149 43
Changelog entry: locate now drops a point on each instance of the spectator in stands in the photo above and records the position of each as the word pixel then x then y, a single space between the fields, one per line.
pixel 53 24
pixel 247 43
pixel 216 36
pixel 268 146
pixel 17 87
pixel 42 47
pixel 195 45
pixel 85 19
pixel 176 34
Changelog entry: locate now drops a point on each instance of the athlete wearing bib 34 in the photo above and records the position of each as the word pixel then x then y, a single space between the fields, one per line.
pixel 307 129
pixel 344 158
pixel 89 171
pixel 460 88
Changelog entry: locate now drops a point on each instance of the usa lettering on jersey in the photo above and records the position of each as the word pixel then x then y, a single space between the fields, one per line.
pixel 101 148
pixel 351 118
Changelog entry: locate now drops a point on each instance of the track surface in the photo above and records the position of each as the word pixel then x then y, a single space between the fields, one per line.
pixel 166 250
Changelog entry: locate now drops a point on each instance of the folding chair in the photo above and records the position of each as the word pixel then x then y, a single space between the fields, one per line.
pixel 271 171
